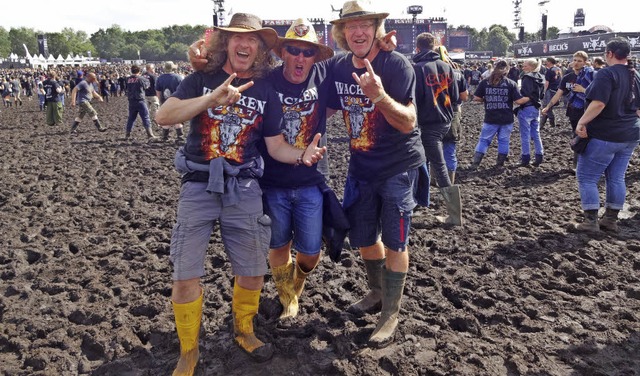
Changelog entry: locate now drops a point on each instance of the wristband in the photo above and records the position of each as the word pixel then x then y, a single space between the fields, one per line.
pixel 379 98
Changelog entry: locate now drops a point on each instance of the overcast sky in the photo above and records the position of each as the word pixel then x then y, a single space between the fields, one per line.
pixel 52 16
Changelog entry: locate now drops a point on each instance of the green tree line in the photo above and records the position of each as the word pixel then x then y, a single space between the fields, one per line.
pixel 499 39
pixel 171 43
pixel 168 43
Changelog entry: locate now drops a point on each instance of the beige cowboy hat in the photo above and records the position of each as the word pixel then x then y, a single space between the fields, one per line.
pixel 302 30
pixel 356 10
pixel 248 23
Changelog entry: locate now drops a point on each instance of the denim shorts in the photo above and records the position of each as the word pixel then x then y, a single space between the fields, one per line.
pixel 296 214
pixel 244 229
pixel 381 208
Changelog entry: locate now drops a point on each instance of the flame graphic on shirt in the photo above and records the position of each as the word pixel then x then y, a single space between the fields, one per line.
pixel 226 131
pixel 359 116
pixel 439 84
pixel 298 123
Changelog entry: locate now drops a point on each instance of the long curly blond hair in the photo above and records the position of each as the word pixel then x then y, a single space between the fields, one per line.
pixel 337 31
pixel 218 44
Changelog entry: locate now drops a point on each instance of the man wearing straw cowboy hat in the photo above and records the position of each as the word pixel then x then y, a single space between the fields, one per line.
pixel 293 195
pixel 375 90
pixel 231 108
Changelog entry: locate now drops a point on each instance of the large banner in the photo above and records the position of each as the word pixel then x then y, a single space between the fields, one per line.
pixel 591 44
pixel 406 31
pixel 478 55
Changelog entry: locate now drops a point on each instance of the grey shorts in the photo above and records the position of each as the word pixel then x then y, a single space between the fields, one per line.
pixel 85 108
pixel 244 228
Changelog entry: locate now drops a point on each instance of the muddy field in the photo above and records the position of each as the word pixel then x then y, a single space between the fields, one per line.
pixel 85 224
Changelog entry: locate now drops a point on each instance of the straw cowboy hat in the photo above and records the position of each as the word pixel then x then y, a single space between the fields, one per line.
pixel 248 23
pixel 302 31
pixel 355 10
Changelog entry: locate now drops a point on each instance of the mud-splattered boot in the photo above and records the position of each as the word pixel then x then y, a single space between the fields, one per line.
pixel 392 288
pixel 372 302
pixel 609 221
pixel 188 317
pixel 501 159
pixel 477 158
pixel 244 308
pixel 283 279
pixel 590 222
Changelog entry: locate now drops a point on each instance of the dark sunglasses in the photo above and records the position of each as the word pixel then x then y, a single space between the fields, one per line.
pixel 295 51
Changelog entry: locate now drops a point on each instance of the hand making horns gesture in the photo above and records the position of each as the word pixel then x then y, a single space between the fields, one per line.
pixel 197 54
pixel 227 94
pixel 370 83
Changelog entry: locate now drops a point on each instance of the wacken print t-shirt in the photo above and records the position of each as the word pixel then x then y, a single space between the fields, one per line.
pixel 230 131
pixel 498 100
pixel 304 111
pixel 378 151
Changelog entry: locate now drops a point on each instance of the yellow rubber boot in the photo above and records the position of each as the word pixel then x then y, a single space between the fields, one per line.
pixel 283 278
pixel 299 277
pixel 188 316
pixel 245 307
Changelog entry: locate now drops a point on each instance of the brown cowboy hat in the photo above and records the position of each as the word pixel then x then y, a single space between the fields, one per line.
pixel 248 23
pixel 301 30
pixel 356 10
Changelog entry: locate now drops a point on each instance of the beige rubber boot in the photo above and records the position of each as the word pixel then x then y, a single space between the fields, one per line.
pixel 244 308
pixel 283 278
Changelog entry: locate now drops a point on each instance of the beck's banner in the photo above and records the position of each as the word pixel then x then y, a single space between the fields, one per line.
pixel 591 44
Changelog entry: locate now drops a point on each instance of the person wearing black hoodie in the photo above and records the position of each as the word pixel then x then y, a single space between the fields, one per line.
pixel 436 93
pixel 532 87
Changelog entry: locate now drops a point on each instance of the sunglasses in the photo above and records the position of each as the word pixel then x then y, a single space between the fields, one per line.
pixel 295 51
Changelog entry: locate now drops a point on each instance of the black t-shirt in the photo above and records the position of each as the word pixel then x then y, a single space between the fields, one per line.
pixel 567 82
pixel 231 131
pixel 304 108
pixel 553 77
pixel 167 84
pixel 136 87
pixel 475 77
pixel 51 90
pixel 498 100
pixel 618 121
pixel 151 90
pixel 378 151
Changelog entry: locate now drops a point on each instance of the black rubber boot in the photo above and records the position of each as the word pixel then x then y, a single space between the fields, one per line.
pixel 590 222
pixel 150 135
pixel 165 134
pixel 74 127
pixel 477 158
pixel 609 221
pixel 99 126
pixel 524 160
pixel 372 302
pixel 538 160
pixel 501 159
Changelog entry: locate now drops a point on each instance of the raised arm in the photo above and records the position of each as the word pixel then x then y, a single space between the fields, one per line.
pixel 176 110
pixel 401 117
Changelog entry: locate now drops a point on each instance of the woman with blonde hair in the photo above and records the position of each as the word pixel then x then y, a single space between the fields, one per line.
pixel 532 87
